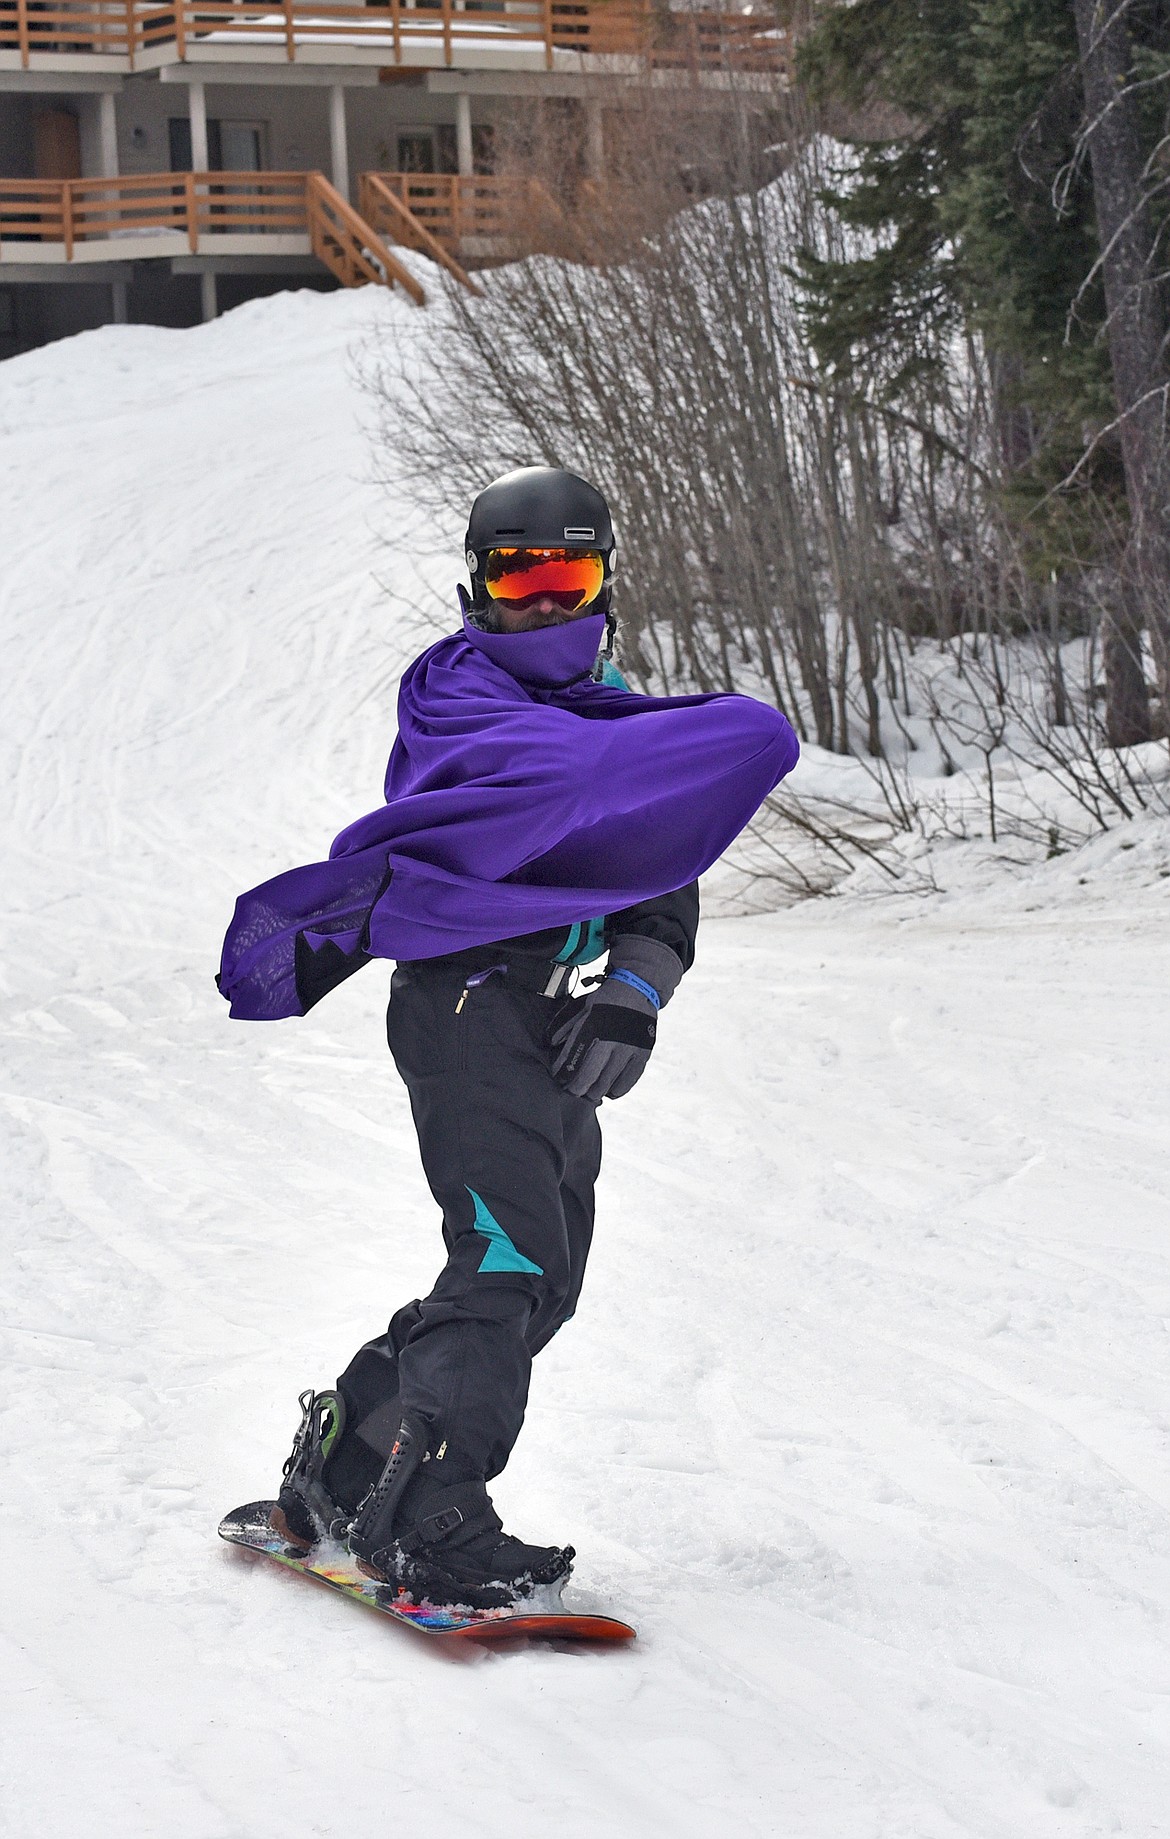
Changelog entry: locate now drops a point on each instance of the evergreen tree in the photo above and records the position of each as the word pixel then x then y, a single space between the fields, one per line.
pixel 1025 204
pixel 983 216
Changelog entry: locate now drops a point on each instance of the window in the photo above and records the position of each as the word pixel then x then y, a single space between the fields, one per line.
pixel 232 146
pixel 416 152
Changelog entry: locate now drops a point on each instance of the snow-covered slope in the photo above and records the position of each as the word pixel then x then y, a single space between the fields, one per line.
pixel 864 1416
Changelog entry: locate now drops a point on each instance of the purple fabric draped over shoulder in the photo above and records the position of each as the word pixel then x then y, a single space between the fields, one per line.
pixel 519 795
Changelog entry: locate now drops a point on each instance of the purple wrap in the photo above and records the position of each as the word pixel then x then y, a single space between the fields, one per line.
pixel 519 794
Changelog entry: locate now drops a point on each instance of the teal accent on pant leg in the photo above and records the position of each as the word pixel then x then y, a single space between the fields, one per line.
pixel 501 1254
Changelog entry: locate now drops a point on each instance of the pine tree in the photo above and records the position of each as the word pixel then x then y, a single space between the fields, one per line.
pixel 964 203
pixel 990 218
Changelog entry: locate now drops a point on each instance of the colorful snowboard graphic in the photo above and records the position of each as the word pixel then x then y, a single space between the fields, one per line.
pixel 249 1527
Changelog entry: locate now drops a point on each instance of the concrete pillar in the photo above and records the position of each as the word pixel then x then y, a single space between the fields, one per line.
pixel 197 113
pixel 118 293
pixel 594 141
pixel 99 138
pixel 338 139
pixel 108 135
pixel 207 299
pixel 463 154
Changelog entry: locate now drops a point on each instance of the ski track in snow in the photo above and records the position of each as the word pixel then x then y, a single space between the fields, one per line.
pixel 864 1417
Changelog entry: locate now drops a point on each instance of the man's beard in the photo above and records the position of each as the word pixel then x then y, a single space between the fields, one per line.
pixel 533 620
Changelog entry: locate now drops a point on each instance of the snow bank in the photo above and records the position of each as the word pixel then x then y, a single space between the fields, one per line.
pixel 863 1418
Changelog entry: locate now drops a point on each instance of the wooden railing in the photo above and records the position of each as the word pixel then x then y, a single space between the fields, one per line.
pixel 124 28
pixel 518 215
pixel 201 206
pixel 348 246
pixel 66 25
pixel 385 211
pixel 701 40
pixel 72 211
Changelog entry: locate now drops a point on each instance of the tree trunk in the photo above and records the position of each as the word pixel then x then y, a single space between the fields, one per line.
pixel 1136 330
pixel 1127 700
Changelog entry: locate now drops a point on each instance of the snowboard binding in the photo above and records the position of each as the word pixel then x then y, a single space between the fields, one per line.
pixel 306 1512
pixel 445 1543
pixel 435 1539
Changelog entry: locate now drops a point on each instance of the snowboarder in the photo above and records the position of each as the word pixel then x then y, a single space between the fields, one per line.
pixel 538 817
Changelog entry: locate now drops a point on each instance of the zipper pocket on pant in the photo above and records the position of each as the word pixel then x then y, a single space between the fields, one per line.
pixel 474 981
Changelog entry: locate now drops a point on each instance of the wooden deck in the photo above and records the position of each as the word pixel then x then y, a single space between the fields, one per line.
pixel 457 221
pixel 53 221
pixel 131 34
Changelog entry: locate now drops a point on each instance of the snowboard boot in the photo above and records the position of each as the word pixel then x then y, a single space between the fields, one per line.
pixel 317 1496
pixel 439 1538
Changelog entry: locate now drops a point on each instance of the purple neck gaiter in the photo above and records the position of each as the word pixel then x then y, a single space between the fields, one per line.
pixel 551 658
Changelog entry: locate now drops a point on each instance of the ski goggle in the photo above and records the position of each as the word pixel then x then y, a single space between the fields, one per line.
pixel 571 577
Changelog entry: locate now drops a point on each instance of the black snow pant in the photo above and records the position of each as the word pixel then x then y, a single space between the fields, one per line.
pixel 511 1159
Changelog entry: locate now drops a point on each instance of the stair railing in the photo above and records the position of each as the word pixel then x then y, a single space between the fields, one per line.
pixel 349 248
pixel 386 212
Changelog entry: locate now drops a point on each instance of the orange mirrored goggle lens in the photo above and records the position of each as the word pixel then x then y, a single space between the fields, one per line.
pixel 571 577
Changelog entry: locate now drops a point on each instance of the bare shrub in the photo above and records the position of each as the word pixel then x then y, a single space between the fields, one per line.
pixel 779 532
pixel 678 378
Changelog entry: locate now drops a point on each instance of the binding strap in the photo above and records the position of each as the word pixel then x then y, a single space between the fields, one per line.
pixel 374 1520
pixel 453 1516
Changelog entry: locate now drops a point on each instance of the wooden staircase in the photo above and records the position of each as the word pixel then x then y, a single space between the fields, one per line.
pixel 385 210
pixel 344 241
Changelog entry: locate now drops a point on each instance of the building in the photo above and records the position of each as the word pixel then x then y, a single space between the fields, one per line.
pixel 160 162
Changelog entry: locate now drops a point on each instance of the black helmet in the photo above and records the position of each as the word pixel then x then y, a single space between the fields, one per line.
pixel 538 507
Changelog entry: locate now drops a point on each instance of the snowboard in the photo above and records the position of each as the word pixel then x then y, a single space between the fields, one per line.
pixel 249 1528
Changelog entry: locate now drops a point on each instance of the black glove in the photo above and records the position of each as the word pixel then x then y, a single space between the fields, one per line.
pixel 600 1048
